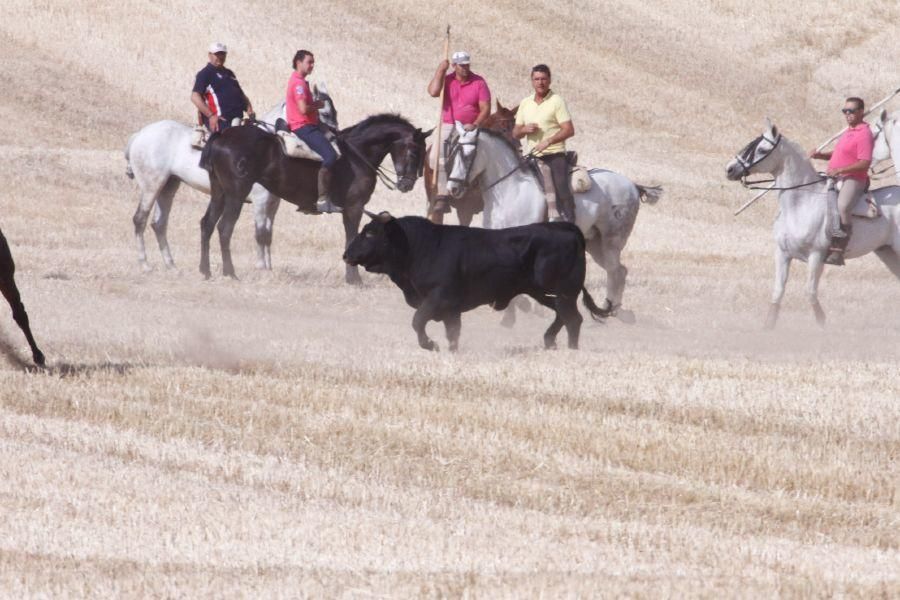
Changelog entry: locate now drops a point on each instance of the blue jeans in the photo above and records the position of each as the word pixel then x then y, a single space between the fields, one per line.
pixel 318 143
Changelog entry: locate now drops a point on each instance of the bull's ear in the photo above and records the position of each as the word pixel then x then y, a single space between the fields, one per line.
pixel 425 134
pixel 499 106
pixel 396 236
pixel 884 115
pixel 514 111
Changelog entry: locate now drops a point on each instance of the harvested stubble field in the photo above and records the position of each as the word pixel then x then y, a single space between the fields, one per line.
pixel 282 435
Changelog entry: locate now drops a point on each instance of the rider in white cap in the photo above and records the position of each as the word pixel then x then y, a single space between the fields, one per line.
pixel 217 94
pixel 467 99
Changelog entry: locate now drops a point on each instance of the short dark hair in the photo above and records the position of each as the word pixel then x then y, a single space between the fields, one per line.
pixel 859 102
pixel 301 54
pixel 541 68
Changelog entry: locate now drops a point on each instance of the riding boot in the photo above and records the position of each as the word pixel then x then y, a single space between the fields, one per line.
pixel 566 208
pixel 324 204
pixel 441 205
pixel 837 247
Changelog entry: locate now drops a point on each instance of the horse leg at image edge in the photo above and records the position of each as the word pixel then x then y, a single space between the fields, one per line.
pixel 207 225
pixel 816 265
pixel 782 269
pixel 891 259
pixel 160 223
pixel 229 218
pixel 608 254
pixel 351 215
pixel 265 205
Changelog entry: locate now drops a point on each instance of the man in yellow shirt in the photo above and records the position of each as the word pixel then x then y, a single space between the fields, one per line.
pixel 545 120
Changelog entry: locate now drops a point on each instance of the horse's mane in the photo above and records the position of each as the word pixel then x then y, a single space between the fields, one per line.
pixel 500 136
pixel 379 120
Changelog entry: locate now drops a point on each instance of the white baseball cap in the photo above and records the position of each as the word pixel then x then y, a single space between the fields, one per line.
pixel 217 47
pixel 461 57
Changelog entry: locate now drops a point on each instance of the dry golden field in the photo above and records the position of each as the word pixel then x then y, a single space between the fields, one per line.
pixel 283 435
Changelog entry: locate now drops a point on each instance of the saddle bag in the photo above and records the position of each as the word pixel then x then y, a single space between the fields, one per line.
pixel 579 179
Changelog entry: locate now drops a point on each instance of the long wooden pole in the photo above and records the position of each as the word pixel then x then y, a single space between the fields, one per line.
pixel 437 139
pixel 819 148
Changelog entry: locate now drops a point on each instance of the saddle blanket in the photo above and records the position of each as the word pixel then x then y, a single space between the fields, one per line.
pixel 297 148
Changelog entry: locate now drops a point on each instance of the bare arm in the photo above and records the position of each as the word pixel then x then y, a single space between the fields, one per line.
pixel 437 81
pixel 860 165
pixel 520 131
pixel 197 100
pixel 820 155
pixel 566 130
pixel 484 109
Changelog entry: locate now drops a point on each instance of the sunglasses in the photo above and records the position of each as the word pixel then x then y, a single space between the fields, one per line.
pixel 849 111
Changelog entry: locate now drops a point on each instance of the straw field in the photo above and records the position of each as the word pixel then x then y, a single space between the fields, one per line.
pixel 283 436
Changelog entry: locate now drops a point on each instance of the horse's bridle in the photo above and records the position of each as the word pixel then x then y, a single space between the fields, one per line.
pixel 750 149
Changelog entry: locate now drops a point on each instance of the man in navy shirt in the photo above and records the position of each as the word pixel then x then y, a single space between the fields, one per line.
pixel 217 94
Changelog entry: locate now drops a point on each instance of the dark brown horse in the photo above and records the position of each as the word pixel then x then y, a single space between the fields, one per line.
pixel 11 292
pixel 242 156
pixel 470 203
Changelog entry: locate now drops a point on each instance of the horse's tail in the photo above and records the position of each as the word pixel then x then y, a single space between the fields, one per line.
pixel 597 313
pixel 128 170
pixel 649 194
pixel 204 154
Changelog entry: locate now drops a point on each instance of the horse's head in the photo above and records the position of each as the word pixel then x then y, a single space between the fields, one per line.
pixel 408 155
pixel 882 131
pixel 502 121
pixel 461 152
pixel 328 113
pixel 756 157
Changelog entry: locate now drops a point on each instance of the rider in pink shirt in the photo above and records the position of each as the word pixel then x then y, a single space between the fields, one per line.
pixel 849 162
pixel 467 99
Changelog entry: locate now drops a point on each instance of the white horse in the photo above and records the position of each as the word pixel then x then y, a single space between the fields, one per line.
pixel 802 228
pixel 160 158
pixel 512 196
pixel 887 139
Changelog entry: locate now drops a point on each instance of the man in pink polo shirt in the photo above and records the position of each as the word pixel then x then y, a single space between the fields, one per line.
pixel 467 99
pixel 849 162
pixel 302 111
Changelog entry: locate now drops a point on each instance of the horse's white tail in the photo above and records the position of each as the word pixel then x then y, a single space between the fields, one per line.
pixel 649 194
pixel 128 170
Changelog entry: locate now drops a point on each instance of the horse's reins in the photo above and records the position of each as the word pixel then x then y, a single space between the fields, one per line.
pixel 747 165
pixel 522 163
pixel 380 172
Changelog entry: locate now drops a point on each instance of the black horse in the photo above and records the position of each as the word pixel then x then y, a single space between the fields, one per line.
pixel 242 156
pixel 11 292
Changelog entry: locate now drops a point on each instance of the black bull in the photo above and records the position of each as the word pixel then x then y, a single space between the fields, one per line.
pixel 445 270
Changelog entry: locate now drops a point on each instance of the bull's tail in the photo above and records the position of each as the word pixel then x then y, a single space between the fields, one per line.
pixel 128 171
pixel 597 313
pixel 649 194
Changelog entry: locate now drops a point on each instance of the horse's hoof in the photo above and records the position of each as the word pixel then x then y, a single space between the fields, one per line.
pixel 549 344
pixel 38 357
pixel 354 279
pixel 626 316
pixel 145 267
